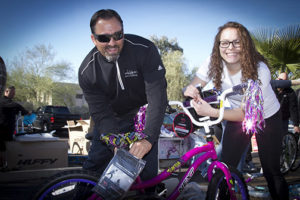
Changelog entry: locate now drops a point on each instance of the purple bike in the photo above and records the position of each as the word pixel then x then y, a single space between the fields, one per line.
pixel 225 182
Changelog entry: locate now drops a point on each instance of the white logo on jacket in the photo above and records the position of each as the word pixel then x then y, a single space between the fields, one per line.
pixel 160 68
pixel 131 73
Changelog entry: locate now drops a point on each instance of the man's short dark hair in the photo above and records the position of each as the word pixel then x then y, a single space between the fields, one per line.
pixel 104 14
pixel 10 88
pixel 2 75
pixel 1 61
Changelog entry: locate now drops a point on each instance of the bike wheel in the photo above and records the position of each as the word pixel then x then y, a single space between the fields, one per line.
pixel 296 164
pixel 218 188
pixel 289 151
pixel 74 184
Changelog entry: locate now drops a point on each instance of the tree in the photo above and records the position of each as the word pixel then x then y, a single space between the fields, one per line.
pixel 176 71
pixel 281 47
pixel 175 74
pixel 34 74
pixel 64 93
pixel 165 45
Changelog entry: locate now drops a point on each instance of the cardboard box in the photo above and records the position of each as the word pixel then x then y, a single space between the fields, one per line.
pixel 37 154
pixel 254 143
pixel 77 141
pixel 172 148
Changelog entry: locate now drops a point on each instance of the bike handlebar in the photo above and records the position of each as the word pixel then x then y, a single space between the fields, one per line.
pixel 205 121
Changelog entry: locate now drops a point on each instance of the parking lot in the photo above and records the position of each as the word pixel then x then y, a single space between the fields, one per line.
pixel 22 184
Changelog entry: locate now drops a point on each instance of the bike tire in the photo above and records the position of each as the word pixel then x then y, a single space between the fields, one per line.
pixel 218 188
pixel 289 151
pixel 73 184
pixel 296 164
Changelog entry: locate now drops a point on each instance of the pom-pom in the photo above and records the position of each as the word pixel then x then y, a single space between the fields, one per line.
pixel 123 140
pixel 254 111
pixel 140 119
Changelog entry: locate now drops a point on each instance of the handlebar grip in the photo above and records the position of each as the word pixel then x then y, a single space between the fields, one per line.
pixel 211 98
pixel 187 103
pixel 238 89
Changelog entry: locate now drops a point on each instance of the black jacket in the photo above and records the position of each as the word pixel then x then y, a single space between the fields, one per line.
pixel 298 100
pixel 115 90
pixel 288 104
pixel 8 111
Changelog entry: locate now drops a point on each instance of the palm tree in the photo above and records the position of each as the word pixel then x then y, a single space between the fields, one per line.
pixel 281 47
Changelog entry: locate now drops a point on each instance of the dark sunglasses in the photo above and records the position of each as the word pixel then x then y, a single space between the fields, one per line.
pixel 106 37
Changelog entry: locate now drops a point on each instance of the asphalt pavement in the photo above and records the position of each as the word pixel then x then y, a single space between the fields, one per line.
pixel 22 184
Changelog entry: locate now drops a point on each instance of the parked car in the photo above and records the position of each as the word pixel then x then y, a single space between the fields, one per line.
pixel 53 118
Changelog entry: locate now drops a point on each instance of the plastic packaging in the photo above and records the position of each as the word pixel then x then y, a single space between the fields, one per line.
pixel 259 192
pixel 198 141
pixel 294 191
pixel 119 175
pixel 193 191
pixel 170 185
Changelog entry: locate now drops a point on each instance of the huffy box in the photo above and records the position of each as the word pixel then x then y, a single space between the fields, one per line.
pixel 172 147
pixel 22 155
pixel 77 141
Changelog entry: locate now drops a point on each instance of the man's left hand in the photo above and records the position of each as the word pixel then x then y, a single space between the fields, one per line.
pixel 140 148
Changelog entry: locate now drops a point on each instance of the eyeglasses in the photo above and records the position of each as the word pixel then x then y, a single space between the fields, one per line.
pixel 226 44
pixel 106 37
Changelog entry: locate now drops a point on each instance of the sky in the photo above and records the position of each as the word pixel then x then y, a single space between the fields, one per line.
pixel 64 24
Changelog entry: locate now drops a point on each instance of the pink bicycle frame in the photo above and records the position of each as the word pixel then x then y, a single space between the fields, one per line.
pixel 209 152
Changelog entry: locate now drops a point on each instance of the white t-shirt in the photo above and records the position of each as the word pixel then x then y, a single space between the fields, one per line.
pixel 271 104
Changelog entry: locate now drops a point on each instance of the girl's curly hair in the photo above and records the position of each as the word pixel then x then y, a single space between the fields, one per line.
pixel 250 57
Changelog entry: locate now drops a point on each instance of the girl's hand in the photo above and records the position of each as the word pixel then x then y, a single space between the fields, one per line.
pixel 193 92
pixel 204 109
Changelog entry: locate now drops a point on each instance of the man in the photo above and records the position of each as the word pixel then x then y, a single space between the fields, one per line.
pixel 2 86
pixel 298 100
pixel 288 104
pixel 9 111
pixel 120 74
pixel 2 76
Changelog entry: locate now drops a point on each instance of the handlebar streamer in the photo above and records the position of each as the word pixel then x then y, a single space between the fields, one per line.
pixel 254 111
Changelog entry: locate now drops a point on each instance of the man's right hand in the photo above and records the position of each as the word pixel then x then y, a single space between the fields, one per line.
pixel 140 148
pixel 296 129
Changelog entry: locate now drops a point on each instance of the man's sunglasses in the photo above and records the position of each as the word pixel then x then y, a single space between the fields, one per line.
pixel 106 37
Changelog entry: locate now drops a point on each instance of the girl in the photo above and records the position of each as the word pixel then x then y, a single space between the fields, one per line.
pixel 235 60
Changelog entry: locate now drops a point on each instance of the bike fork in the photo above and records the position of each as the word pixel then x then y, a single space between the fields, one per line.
pixel 228 178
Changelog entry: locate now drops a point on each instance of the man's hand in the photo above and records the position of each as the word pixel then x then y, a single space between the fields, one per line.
pixel 140 148
pixel 296 129
pixel 296 82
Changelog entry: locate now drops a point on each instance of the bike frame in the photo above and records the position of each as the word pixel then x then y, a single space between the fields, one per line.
pixel 208 150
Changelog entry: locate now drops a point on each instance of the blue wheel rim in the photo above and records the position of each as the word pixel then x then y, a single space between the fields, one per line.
pixel 64 182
